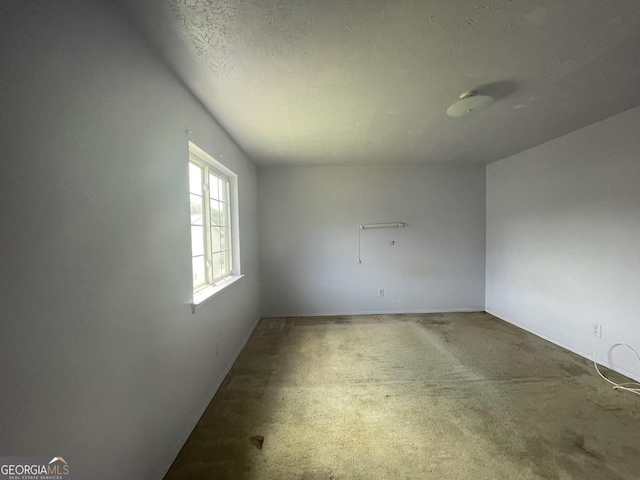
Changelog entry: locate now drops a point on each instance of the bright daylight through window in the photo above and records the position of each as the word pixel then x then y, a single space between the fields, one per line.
pixel 211 191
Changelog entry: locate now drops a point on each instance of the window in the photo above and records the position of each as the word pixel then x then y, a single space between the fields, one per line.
pixel 212 192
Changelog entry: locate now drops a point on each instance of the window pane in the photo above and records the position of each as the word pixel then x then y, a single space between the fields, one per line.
pixel 195 178
pixel 224 214
pixel 216 244
pixel 223 263
pixel 199 277
pixel 213 187
pixel 227 262
pixel 217 265
pixel 219 213
pixel 224 238
pixel 216 213
pixel 224 190
pixel 197 240
pixel 196 209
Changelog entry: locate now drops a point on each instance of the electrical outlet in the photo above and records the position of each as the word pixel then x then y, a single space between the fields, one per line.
pixel 381 292
pixel 596 330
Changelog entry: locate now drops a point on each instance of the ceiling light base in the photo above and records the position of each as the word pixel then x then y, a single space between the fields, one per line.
pixel 469 102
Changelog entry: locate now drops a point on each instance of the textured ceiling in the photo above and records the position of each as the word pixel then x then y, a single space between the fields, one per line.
pixel 359 82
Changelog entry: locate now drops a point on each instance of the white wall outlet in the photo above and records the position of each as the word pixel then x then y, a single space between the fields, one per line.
pixel 596 330
pixel 381 292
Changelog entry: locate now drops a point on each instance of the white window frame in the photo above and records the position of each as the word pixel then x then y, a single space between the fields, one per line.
pixel 213 286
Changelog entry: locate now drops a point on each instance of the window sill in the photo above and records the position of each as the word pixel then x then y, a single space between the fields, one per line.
pixel 206 294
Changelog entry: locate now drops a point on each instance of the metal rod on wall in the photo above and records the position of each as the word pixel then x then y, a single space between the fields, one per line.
pixel 369 226
pixel 383 225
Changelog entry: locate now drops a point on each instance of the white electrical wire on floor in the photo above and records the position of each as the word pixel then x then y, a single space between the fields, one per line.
pixel 632 387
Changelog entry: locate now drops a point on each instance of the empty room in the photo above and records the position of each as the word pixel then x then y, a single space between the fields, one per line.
pixel 337 240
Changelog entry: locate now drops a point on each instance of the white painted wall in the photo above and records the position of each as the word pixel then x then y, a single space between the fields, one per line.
pixel 101 359
pixel 309 219
pixel 563 238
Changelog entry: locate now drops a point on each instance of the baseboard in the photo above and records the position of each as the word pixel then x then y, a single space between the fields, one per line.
pixel 373 312
pixel 582 353
pixel 185 436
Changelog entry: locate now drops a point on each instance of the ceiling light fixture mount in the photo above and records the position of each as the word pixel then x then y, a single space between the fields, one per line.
pixel 469 102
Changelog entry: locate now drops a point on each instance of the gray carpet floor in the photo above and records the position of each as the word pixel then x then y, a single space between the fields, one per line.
pixel 431 396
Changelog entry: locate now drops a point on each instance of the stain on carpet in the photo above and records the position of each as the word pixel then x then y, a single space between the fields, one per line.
pixel 257 441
